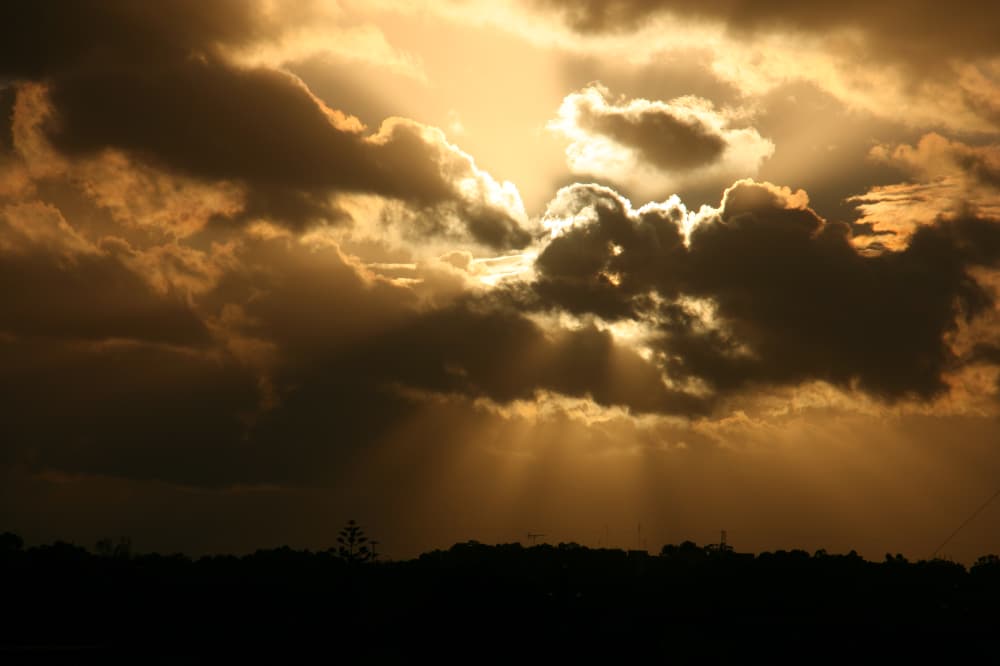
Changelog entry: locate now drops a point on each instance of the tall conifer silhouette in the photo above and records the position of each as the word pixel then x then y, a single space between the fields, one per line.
pixel 352 540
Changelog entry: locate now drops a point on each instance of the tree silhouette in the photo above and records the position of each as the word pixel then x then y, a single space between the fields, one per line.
pixel 12 543
pixel 107 548
pixel 352 542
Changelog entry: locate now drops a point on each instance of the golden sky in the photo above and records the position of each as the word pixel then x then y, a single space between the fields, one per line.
pixel 468 270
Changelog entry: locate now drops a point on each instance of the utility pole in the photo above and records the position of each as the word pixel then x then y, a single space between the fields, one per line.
pixel 534 537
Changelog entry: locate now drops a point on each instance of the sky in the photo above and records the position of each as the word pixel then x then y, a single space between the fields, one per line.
pixel 618 272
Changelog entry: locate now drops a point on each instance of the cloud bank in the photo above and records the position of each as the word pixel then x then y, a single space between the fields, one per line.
pixel 214 283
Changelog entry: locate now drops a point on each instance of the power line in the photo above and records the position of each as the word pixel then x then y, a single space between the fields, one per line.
pixel 966 522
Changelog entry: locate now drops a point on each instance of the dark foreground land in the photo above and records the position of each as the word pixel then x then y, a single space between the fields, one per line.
pixel 487 604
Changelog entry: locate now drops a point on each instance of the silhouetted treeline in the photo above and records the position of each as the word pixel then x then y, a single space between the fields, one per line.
pixel 477 603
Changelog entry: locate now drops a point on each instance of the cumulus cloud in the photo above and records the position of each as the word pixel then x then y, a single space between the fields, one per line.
pixel 652 145
pixel 764 291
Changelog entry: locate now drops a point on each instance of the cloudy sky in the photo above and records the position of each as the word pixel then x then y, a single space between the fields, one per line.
pixel 469 270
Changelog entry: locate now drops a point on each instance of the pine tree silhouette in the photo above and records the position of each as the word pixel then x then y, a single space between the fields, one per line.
pixel 352 542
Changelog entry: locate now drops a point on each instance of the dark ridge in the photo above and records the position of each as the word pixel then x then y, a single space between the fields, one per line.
pixel 478 603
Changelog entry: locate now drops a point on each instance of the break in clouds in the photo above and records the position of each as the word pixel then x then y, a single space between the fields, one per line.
pixel 185 294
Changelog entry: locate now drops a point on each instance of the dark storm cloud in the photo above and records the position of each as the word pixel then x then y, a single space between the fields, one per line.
pixel 95 298
pixel 262 126
pixel 198 414
pixel 795 301
pixel 478 346
pixel 343 399
pixel 924 29
pixel 64 289
pixel 576 269
pixel 318 364
pixel 660 137
pixel 8 94
pixel 655 146
pixel 162 90
pixel 136 411
pixel 503 356
pixel 984 166
pixel 44 38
